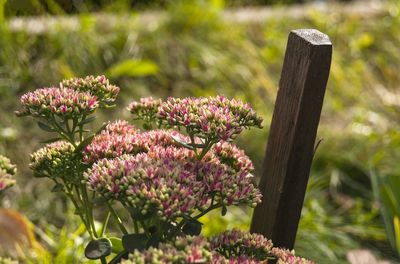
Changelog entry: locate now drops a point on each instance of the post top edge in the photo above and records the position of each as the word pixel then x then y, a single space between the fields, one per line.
pixel 313 36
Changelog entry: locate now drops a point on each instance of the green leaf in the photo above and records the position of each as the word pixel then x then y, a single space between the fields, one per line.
pixel 87 120
pixel 192 228
pixel 147 126
pixel 117 246
pixel 58 188
pixel 101 128
pixel 98 248
pixel 45 127
pixel 134 241
pixel 133 68
pixel 153 241
pixel 84 143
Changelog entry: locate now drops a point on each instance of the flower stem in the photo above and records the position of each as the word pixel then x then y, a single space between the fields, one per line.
pixel 116 217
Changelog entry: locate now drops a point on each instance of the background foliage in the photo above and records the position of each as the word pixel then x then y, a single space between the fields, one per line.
pixel 192 51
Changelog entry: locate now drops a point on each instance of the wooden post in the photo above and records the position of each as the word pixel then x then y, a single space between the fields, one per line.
pixel 292 135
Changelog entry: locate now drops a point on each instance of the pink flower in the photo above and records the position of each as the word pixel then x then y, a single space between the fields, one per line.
pixel 236 243
pixel 286 256
pixel 188 250
pixel 62 102
pixel 99 86
pixel 214 118
pixel 171 180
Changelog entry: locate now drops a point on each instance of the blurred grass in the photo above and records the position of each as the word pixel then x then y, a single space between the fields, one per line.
pixel 193 52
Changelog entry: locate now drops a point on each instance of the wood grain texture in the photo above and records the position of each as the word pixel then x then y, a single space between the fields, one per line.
pixel 292 135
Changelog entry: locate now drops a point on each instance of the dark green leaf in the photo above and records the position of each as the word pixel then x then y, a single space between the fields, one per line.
pixel 87 121
pixel 134 241
pixel 45 127
pixel 101 128
pixel 98 248
pixel 192 228
pixel 58 188
pixel 84 143
pixel 152 229
pixel 146 126
pixel 153 241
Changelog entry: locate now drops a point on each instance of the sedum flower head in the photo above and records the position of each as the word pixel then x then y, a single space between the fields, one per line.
pixel 219 259
pixel 144 108
pixel 98 86
pixel 156 182
pixel 230 247
pixel 286 256
pixel 7 171
pixel 120 127
pixel 111 146
pixel 7 166
pixel 231 155
pixel 56 160
pixel 214 118
pixel 182 250
pixel 171 182
pixel 236 243
pixel 119 138
pixel 66 103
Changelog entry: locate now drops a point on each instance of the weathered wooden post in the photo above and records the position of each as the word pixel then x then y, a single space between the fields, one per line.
pixel 292 135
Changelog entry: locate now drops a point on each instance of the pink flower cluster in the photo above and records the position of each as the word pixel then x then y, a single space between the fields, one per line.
pixel 231 155
pixel 286 256
pixel 171 182
pixel 146 109
pixel 236 243
pixel 116 139
pixel 243 248
pixel 213 118
pixel 98 86
pixel 120 138
pixel 7 171
pixel 62 102
pixel 188 250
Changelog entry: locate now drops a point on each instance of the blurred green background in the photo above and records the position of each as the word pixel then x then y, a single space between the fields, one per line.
pixel 199 48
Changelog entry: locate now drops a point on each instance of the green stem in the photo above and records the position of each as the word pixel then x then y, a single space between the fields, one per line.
pixel 191 135
pixel 212 207
pixel 116 217
pixel 77 207
pixel 81 128
pixel 104 227
pixel 88 209
pixel 135 226
pixel 67 136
